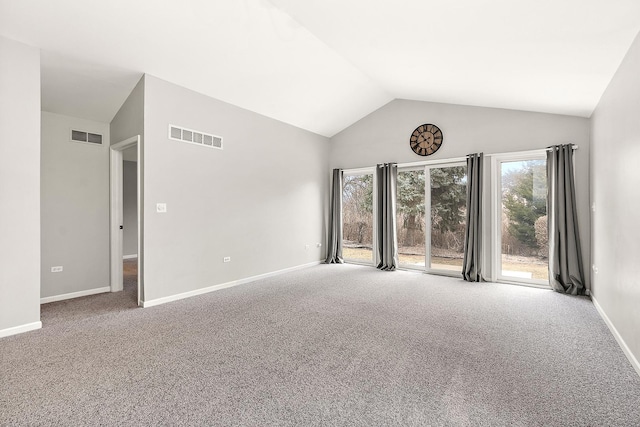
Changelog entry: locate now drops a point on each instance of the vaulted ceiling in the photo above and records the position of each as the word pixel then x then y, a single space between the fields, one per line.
pixel 323 64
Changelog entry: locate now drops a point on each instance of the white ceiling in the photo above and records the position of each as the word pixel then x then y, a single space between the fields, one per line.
pixel 323 64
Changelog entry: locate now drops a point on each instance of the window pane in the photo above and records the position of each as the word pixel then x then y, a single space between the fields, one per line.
pixel 524 220
pixel 357 217
pixel 410 218
pixel 448 217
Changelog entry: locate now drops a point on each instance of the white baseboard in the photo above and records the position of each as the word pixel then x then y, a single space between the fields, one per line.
pixel 130 256
pixel 206 290
pixel 618 337
pixel 20 329
pixel 75 295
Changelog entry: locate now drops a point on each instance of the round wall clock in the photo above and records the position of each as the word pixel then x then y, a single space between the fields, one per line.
pixel 426 139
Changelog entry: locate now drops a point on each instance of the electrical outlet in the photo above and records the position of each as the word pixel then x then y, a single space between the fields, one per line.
pixel 306 246
pixel 56 269
pixel 318 245
pixel 161 207
pixel 226 259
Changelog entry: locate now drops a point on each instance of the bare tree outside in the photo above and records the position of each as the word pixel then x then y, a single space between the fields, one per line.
pixel 357 217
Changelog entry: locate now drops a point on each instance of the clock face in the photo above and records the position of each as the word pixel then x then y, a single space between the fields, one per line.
pixel 426 140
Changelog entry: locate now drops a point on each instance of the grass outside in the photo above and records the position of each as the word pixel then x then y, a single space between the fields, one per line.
pixel 366 255
pixel 537 267
pixel 358 254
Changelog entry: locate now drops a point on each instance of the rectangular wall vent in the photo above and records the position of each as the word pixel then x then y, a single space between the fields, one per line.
pixel 178 133
pixel 83 136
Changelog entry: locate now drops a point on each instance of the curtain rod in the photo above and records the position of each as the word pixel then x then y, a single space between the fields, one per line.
pixel 524 153
pixel 369 169
pixel 573 146
pixel 432 162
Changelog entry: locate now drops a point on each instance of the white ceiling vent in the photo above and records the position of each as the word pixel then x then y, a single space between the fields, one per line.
pixel 83 136
pixel 178 133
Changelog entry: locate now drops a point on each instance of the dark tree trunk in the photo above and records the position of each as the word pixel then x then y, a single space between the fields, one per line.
pixel 413 230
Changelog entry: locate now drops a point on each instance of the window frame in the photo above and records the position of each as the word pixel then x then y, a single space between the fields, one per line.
pixel 374 218
pixel 421 268
pixel 427 208
pixel 426 167
pixel 496 216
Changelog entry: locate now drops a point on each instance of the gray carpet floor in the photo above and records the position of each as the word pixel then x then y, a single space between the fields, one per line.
pixel 329 345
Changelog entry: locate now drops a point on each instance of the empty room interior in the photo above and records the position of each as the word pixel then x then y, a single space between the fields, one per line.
pixel 272 212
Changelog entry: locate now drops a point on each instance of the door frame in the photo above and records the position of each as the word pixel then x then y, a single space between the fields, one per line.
pixel 116 213
pixel 374 217
pixel 427 217
pixel 496 215
pixel 422 268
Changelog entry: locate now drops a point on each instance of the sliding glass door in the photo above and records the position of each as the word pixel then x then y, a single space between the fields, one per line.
pixel 431 217
pixel 357 217
pixel 431 210
pixel 446 194
pixel 521 252
pixel 410 218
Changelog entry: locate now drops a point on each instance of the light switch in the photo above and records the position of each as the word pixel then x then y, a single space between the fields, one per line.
pixel 161 207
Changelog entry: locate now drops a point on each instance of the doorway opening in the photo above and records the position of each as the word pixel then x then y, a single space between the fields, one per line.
pixel 126 215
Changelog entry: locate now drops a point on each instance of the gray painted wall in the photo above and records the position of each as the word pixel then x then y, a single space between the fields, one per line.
pixel 615 180
pixel 259 201
pixel 129 120
pixel 130 208
pixel 383 136
pixel 75 207
pixel 19 186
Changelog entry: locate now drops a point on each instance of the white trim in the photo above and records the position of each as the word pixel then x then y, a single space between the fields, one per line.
pixel 496 213
pixel 375 254
pixel 371 170
pixel 545 286
pixel 427 216
pixel 20 329
pixel 462 159
pixel 518 155
pixel 623 345
pixel 374 180
pixel 130 256
pixel 116 214
pixel 177 297
pixel 427 219
pixel 527 152
pixel 432 162
pixel 140 216
pixel 359 262
pixel 413 267
pixel 78 294
pixel 446 273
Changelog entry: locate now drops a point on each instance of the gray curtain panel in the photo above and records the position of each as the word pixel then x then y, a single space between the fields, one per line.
pixel 334 246
pixel 566 272
pixel 386 236
pixel 472 262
